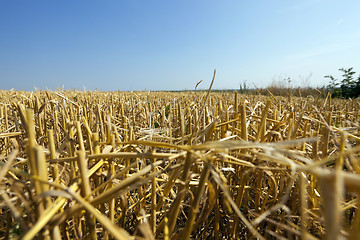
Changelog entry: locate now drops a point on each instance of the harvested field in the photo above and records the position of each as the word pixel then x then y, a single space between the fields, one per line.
pixel 179 165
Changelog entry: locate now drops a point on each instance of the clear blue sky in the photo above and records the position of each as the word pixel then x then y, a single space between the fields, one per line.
pixel 164 45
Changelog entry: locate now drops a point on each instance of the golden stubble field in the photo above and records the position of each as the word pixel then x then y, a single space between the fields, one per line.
pixel 178 165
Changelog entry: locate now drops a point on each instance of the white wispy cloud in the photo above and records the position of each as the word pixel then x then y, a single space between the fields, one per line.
pixel 346 43
pixel 317 51
pixel 340 21
pixel 305 4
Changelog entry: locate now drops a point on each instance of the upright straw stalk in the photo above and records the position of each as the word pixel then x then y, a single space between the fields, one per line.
pixel 86 191
pixel 195 203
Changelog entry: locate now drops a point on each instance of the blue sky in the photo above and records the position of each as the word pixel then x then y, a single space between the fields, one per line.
pixel 171 45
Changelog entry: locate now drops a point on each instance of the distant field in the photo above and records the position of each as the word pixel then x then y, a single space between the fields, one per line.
pixel 178 165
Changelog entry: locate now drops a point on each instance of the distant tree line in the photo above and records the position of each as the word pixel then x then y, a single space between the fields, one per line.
pixel 347 87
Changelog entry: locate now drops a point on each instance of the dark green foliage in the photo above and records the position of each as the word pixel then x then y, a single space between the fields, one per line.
pixel 348 87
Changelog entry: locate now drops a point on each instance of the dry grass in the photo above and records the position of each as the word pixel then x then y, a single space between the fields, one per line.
pixel 121 165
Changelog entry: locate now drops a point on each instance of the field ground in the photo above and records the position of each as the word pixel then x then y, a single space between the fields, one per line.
pixel 180 165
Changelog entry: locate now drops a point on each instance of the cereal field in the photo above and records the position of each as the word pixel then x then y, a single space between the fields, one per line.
pixel 178 165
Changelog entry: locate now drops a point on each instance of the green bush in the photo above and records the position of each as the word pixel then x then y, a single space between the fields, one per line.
pixel 348 87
